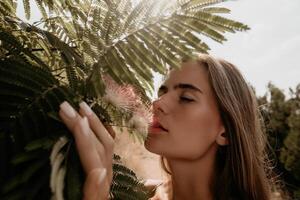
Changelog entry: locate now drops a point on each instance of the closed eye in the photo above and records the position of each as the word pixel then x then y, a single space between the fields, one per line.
pixel 185 99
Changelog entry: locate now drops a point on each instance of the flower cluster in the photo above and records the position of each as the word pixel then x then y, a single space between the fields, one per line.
pixel 125 97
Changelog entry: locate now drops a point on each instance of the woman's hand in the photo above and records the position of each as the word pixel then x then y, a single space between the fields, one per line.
pixel 95 147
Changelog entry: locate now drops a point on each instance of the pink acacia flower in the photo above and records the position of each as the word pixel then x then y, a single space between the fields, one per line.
pixel 125 97
pixel 120 96
pixel 141 119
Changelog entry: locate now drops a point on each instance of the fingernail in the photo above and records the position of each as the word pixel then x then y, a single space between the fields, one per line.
pixel 84 124
pixel 68 110
pixel 87 110
pixel 102 176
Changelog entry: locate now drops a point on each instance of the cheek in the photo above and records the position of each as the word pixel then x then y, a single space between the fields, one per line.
pixel 195 133
pixel 201 122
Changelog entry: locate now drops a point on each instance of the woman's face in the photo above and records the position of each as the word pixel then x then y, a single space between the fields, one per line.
pixel 186 121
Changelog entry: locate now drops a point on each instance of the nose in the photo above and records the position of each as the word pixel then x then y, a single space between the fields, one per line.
pixel 160 106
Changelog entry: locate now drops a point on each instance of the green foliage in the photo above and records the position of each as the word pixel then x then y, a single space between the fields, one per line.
pixel 27 94
pixel 100 29
pixel 282 119
pixel 126 185
pixel 65 56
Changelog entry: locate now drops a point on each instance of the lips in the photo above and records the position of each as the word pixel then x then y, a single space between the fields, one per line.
pixel 156 127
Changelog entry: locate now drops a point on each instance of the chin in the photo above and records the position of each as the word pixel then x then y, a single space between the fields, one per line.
pixel 150 146
pixel 147 145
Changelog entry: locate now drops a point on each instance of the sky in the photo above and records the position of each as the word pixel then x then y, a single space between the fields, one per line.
pixel 268 52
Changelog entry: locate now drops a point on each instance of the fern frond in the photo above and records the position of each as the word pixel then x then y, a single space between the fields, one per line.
pixel 134 15
pixel 125 184
pixel 108 23
pixel 163 53
pixel 8 8
pixel 26 4
pixel 32 127
pixel 14 47
pixel 121 69
pixel 195 5
pixel 42 9
pixel 94 83
pixel 148 55
pixel 215 19
pixel 170 41
pixel 125 7
pixel 96 24
pixel 195 25
pixel 25 175
pixel 216 10
pixel 188 37
pixel 134 61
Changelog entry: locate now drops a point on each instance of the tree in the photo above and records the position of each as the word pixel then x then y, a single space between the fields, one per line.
pixel 283 128
pixel 72 53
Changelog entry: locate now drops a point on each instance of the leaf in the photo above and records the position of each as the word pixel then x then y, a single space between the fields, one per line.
pixel 94 82
pixel 137 11
pixel 163 53
pixel 147 55
pixel 191 40
pixel 26 5
pixel 25 175
pixel 43 143
pixel 40 5
pixel 216 10
pixel 215 19
pixel 194 25
pixel 25 157
pixel 74 176
pixel 195 5
pixel 170 41
pixel 135 62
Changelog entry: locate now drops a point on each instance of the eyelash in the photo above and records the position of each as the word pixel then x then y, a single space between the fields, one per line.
pixel 181 98
pixel 185 99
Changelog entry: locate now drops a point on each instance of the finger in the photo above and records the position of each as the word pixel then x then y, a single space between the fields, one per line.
pixel 106 155
pixel 68 115
pixel 80 129
pixel 87 151
pixel 97 126
pixel 102 133
pixel 111 131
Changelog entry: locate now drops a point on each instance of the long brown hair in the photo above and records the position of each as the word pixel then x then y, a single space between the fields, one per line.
pixel 242 170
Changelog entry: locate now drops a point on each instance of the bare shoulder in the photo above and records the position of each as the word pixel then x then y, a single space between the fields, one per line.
pixel 162 189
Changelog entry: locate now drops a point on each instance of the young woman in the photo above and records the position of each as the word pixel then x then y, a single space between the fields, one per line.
pixel 205 126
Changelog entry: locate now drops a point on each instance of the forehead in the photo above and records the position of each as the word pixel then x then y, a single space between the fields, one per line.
pixel 191 73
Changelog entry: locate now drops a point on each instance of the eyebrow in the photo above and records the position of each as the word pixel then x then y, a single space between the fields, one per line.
pixel 164 88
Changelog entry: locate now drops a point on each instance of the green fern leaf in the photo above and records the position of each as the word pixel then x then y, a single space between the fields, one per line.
pixel 8 8
pixel 26 4
pixel 216 10
pixel 148 55
pixel 163 53
pixel 94 82
pixel 215 19
pixel 195 25
pixel 186 36
pixel 170 42
pixel 135 62
pixel 134 15
pixel 25 175
pixel 195 5
pixel 42 9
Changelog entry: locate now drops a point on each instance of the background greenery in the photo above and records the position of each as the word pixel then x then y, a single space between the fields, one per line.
pixel 65 56
pixel 282 119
